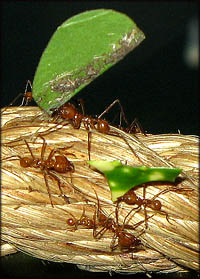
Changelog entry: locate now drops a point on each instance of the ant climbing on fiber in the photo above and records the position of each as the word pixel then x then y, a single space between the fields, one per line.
pixel 126 241
pixel 84 221
pixel 59 164
pixel 131 198
pixel 27 96
pixel 70 113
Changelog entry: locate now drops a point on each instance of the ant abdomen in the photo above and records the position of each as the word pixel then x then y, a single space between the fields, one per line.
pixel 103 126
pixel 25 162
pixel 62 164
pixel 127 241
pixel 155 205
pixel 71 222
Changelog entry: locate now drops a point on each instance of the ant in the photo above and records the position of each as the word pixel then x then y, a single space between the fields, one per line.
pixel 69 112
pixel 131 198
pixel 27 96
pixel 60 164
pixel 84 221
pixel 126 241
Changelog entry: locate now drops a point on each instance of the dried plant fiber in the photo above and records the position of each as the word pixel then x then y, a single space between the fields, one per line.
pixel 30 224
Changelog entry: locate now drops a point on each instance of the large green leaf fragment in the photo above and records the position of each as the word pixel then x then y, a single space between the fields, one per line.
pixel 81 49
pixel 121 178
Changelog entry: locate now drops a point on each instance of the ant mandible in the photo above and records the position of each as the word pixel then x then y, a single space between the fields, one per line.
pixel 60 164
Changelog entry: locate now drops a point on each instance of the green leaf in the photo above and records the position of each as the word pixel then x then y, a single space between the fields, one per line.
pixel 81 49
pixel 121 178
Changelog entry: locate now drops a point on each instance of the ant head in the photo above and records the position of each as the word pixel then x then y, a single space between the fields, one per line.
pixel 67 111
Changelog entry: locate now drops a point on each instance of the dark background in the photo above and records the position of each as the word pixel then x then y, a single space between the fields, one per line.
pixel 153 82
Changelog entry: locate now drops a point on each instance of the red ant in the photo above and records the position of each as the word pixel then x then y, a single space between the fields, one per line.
pixel 131 198
pixel 27 96
pixel 83 221
pixel 60 164
pixel 69 112
pixel 126 241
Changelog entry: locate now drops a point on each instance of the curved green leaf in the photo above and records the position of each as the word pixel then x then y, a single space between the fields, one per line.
pixel 80 50
pixel 121 178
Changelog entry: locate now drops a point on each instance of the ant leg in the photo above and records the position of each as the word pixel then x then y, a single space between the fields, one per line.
pixel 15 99
pixel 113 246
pixel 166 191
pixel 124 225
pixel 26 97
pixel 29 149
pixel 82 106
pixel 58 182
pixel 99 234
pixel 43 148
pixel 132 150
pixel 94 228
pixel 26 94
pixel 133 227
pixel 172 190
pixel 58 150
pixel 89 144
pixel 83 214
pixel 98 204
pixel 96 214
pixel 48 189
pixel 136 127
pixel 122 114
pixel 145 210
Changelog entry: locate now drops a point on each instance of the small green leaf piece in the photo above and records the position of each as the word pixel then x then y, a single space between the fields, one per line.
pixel 81 49
pixel 121 178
